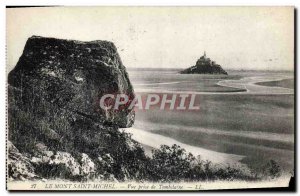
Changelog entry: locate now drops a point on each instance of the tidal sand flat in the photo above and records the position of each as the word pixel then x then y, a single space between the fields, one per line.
pixel 155 141
pixel 159 80
pixel 257 124
pixel 285 83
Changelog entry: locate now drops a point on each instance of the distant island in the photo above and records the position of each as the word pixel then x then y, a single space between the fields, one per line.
pixel 205 66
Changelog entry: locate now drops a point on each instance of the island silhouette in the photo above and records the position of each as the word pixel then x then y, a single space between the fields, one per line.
pixel 205 65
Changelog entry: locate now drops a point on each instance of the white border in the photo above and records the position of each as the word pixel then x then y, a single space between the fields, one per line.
pixel 152 2
pixel 4 3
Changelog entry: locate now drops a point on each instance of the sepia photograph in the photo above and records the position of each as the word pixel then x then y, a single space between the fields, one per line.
pixel 185 98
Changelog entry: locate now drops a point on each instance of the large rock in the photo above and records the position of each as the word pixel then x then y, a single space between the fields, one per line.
pixel 74 75
pixel 54 117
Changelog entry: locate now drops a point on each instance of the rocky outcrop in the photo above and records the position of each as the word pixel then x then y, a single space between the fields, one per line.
pixel 205 66
pixel 74 75
pixel 19 166
pixel 55 123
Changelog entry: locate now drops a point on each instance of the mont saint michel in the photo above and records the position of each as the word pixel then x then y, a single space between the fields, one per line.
pixel 205 65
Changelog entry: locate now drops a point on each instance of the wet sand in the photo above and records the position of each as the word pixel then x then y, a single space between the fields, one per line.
pixel 246 122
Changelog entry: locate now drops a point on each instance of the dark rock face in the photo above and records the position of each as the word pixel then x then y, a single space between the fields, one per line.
pixel 74 75
pixel 55 123
pixel 205 66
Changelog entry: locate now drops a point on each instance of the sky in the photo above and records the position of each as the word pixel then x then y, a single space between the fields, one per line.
pixel 166 37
